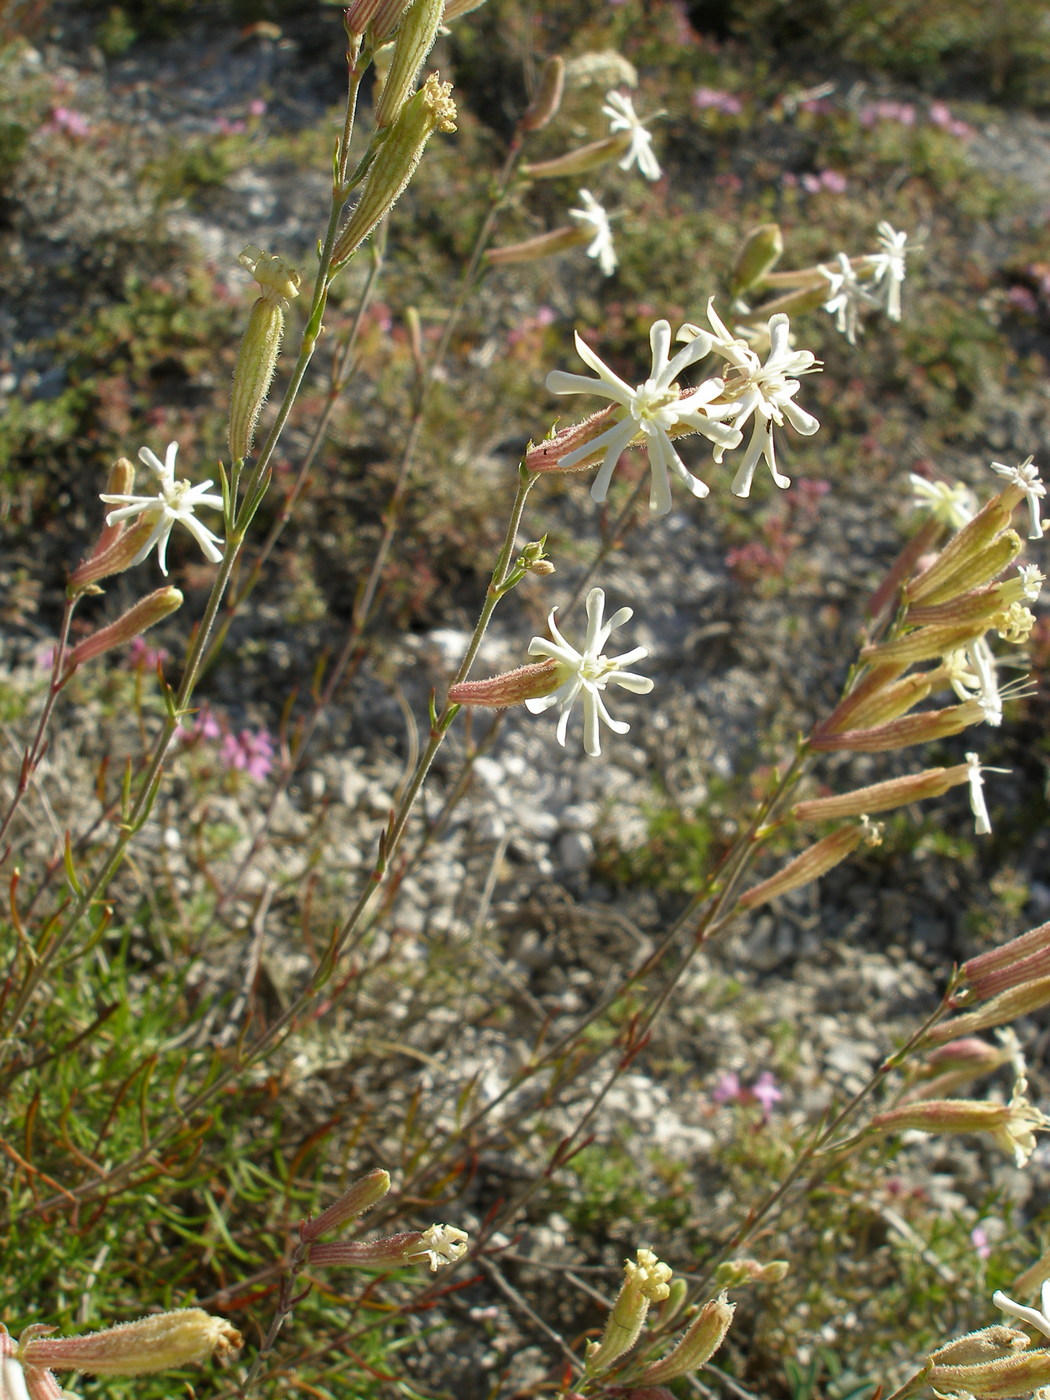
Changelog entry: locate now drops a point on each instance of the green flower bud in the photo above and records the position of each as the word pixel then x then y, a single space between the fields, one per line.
pixel 583 159
pixel 415 39
pixel 146 613
pixel 257 357
pixel 156 1343
pixel 544 245
pixel 430 109
pixel 362 1196
pixel 761 252
pixel 807 867
pixel 544 106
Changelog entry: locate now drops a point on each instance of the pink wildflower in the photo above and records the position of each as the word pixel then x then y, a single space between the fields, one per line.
pixel 71 122
pixel 727 1089
pixel 249 753
pixel 726 102
pixel 980 1241
pixel 765 1091
pixel 256 107
pixel 141 654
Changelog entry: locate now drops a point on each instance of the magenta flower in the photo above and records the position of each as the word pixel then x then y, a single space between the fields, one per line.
pixel 248 753
pixel 765 1091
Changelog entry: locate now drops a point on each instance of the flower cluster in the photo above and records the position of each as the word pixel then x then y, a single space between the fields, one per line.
pixel 658 410
pixel 874 281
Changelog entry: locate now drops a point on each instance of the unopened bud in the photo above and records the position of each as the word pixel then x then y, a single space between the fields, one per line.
pixel 924 644
pixel 981 604
pixel 582 160
pixel 157 1343
pixel 902 733
pixel 672 1305
pixel 1020 960
pixel 120 482
pixel 645 1281
pixel 704 1335
pixel 544 245
pixel 544 106
pixel 807 867
pixel 430 109
pixel 362 1196
pixel 957 1063
pixel 380 16
pixel 530 682
pixel 759 255
pixel 883 797
pixel 415 39
pixel 791 304
pixel 975 536
pixel 257 357
pixel 733 1273
pixel 984 1345
pixel 872 684
pixel 146 613
pixel 999 1379
pixel 1007 1006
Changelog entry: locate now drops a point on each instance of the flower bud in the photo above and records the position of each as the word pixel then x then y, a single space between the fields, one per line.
pixel 530 682
pixel 873 683
pixel 544 106
pixel 807 867
pixel 901 733
pixel 1020 960
pixel 999 1379
pixel 954 559
pixel 672 1305
pixel 734 1273
pixel 645 1281
pixel 379 16
pixel 883 797
pixel 760 253
pixel 257 357
pixel 984 1345
pixel 544 245
pixel 122 552
pixel 924 644
pixel 146 613
pixel 157 1343
pixel 430 109
pixel 120 482
pixel 884 703
pixel 981 604
pixel 1007 1006
pixel 957 1063
pixel 415 39
pixel 704 1335
pixel 582 160
pixel 360 1197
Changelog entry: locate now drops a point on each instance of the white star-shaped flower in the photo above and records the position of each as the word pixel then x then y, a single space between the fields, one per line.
pixel 589 672
pixel 601 247
pixel 972 675
pixel 765 391
pixel 652 409
pixel 887 268
pixel 1026 476
pixel 173 505
pixel 622 117
pixel 847 296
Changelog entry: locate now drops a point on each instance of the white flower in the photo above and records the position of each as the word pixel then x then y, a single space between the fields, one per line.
pixel 590 672
pixel 440 1245
pixel 12 1379
pixel 622 117
pixel 1026 476
pixel 174 504
pixel 846 297
pixel 1039 1318
pixel 887 267
pixel 972 675
pixel 982 822
pixel 952 503
pixel 765 391
pixel 601 248
pixel 652 409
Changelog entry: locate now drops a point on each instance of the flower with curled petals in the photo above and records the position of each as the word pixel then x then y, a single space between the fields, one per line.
pixel 622 117
pixel 1026 478
pixel 765 392
pixel 587 673
pixel 593 217
pixel 173 505
pixel 652 409
pixel 887 268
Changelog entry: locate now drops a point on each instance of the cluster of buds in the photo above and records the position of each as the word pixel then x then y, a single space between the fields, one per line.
pixel 159 1343
pixel 647 1281
pixel 436 1246
pixel 947 608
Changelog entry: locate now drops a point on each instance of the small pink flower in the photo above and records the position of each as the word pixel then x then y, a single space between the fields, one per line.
pixel 728 1088
pixel 765 1091
pixel 726 102
pixel 141 654
pixel 71 122
pixel 248 753
pixel 981 1244
pixel 256 107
